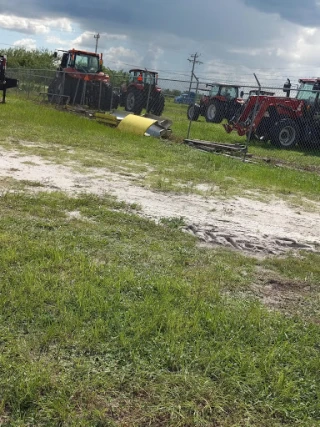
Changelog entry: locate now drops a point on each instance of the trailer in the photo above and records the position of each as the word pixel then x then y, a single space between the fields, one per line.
pixel 5 82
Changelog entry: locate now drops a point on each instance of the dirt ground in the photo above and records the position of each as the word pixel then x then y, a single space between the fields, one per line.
pixel 256 227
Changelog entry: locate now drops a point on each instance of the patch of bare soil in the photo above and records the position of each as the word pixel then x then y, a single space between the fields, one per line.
pixel 240 223
pixel 281 294
pixel 291 297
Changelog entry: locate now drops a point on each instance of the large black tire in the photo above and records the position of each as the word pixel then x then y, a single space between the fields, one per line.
pixel 54 89
pixel 157 105
pixel 134 101
pixel 60 90
pixel 106 100
pixel 99 95
pixel 214 113
pixel 115 100
pixel 285 134
pixel 193 112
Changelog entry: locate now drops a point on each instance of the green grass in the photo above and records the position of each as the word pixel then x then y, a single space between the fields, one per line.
pixel 164 165
pixel 109 319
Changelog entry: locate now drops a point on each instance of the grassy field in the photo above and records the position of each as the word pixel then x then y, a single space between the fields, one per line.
pixel 164 165
pixel 107 319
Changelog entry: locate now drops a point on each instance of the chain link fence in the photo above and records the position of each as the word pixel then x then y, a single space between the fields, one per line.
pixel 279 118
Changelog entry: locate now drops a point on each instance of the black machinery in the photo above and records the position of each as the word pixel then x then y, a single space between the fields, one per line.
pixel 5 82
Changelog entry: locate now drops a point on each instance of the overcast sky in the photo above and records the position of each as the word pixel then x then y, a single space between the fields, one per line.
pixel 275 39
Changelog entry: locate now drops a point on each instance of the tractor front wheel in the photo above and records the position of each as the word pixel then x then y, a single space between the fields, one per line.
pixel 134 101
pixel 285 134
pixel 193 112
pixel 214 112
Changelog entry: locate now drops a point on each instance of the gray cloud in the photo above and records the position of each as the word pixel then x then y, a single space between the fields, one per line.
pixel 306 13
pixel 212 22
pixel 235 37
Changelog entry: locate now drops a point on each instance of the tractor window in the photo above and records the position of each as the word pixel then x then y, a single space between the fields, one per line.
pixel 150 78
pixel 81 63
pixel 87 63
pixel 305 92
pixel 135 76
pixel 64 60
pixel 214 91
pixel 228 92
pixel 147 78
pixel 93 63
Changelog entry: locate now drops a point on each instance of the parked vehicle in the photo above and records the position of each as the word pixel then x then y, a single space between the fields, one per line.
pixel 142 91
pixel 222 103
pixel 284 121
pixel 185 98
pixel 80 79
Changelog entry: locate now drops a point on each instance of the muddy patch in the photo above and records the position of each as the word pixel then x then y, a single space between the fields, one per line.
pixel 281 294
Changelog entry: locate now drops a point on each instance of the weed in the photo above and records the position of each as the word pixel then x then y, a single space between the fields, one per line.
pixel 174 223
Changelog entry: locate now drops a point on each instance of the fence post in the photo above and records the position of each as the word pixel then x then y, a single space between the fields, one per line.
pixel 149 91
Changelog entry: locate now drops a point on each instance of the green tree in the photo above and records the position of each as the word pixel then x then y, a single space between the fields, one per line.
pixel 32 59
pixel 117 77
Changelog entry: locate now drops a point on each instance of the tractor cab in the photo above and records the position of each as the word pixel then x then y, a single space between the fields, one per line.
pixel 144 77
pixel 226 92
pixel 81 61
pixel 308 91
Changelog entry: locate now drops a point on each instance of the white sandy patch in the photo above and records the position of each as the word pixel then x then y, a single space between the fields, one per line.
pixel 242 223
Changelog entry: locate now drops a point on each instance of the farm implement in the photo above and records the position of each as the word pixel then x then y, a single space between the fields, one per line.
pixel 284 121
pixel 5 82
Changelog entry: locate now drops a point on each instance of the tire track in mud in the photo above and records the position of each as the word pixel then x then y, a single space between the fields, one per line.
pixel 273 245
pixel 251 226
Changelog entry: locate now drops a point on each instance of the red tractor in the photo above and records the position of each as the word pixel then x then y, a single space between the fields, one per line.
pixel 80 80
pixel 223 102
pixel 142 91
pixel 284 121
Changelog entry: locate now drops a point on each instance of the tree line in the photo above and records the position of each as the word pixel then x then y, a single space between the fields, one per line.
pixel 39 59
pixel 43 59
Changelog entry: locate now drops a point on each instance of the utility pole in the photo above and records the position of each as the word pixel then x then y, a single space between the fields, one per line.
pixel 97 37
pixel 194 61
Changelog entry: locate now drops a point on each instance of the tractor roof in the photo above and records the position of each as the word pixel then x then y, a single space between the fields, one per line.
pixel 82 52
pixel 314 80
pixel 143 70
pixel 222 84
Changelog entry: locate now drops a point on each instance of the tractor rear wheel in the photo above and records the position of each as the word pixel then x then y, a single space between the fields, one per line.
pixel 193 112
pixel 157 105
pixel 106 97
pixel 54 90
pixel 285 134
pixel 115 100
pixel 214 112
pixel 134 101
